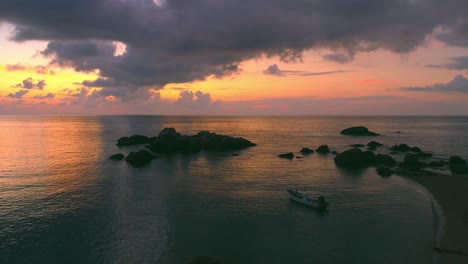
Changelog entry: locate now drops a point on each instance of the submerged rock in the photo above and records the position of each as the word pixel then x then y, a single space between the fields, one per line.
pixel 358 131
pixel 355 159
pixel 117 157
pixel 306 151
pixel 288 155
pixel 133 140
pixel 385 172
pixel 140 158
pixel 323 149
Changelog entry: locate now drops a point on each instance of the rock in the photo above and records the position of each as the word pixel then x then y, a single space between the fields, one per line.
pixel 374 144
pixel 358 146
pixel 385 160
pixel 117 157
pixel 458 165
pixel 289 155
pixel 401 148
pixel 415 150
pixel 306 151
pixel 358 131
pixel 140 158
pixel 132 140
pixel 169 141
pixel 168 132
pixel 334 152
pixel 385 172
pixel 424 155
pixel 412 162
pixel 202 260
pixel 459 168
pixel 372 148
pixel 436 164
pixel 355 158
pixel 323 149
pixel 456 160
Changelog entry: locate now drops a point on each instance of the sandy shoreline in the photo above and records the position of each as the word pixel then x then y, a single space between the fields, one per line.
pixel 451 192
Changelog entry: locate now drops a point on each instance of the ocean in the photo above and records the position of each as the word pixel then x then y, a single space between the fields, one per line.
pixel 63 201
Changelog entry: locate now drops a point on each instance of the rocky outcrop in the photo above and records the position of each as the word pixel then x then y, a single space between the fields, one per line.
pixel 401 148
pixel 323 149
pixel 288 155
pixel 357 145
pixel 117 157
pixel 140 158
pixel 169 141
pixel 358 131
pixel 133 140
pixel 458 165
pixel 306 151
pixel 385 172
pixel 355 158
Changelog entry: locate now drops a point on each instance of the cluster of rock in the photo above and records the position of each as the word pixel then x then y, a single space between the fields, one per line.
pixel 322 149
pixel 170 141
pixel 386 165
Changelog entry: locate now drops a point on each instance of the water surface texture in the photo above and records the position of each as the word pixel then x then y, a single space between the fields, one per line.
pixel 63 201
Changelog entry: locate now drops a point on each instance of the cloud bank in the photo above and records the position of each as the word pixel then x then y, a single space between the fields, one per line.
pixel 458 84
pixel 275 70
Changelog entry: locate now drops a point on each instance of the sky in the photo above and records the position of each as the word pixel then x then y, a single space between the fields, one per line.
pixel 228 57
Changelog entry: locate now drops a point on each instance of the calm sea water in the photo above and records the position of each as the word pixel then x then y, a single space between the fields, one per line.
pixel 63 201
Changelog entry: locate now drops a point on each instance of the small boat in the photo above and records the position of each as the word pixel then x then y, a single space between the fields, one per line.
pixel 319 203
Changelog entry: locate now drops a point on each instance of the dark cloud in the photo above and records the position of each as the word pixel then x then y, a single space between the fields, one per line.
pixel 18 94
pixel 184 41
pixel 47 96
pixel 458 84
pixel 275 70
pixel 457 63
pixel 30 83
pixel 338 57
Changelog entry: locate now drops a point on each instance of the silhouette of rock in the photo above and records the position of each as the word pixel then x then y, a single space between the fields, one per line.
pixel 358 131
pixel 401 148
pixel 117 157
pixel 355 158
pixel 289 155
pixel 323 149
pixel 384 171
pixel 415 150
pixel 424 155
pixel 140 158
pixel 202 260
pixel 385 160
pixel 458 165
pixel 133 140
pixel 412 162
pixel 334 152
pixel 306 151
pixel 169 141
pixel 358 146
pixel 374 144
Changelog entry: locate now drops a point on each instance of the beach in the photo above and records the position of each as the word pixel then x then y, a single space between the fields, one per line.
pixel 451 193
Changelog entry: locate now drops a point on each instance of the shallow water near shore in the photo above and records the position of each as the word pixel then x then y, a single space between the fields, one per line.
pixel 62 200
